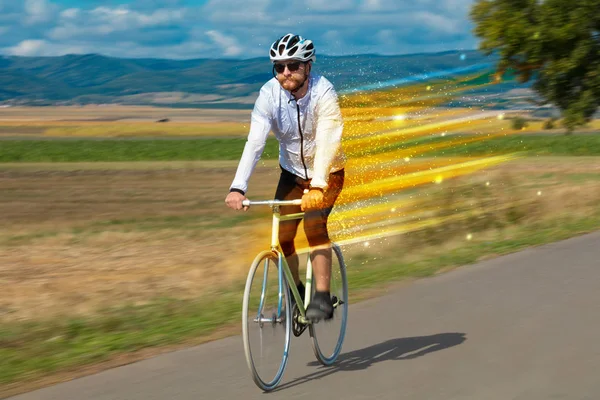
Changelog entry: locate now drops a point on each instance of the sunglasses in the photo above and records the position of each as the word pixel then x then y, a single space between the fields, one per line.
pixel 292 67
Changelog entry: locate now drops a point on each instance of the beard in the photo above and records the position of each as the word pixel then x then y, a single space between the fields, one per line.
pixel 292 83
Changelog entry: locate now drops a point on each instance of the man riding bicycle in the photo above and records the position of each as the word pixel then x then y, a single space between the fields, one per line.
pixel 302 110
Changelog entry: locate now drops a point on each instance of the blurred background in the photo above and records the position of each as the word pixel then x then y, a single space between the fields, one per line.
pixel 471 129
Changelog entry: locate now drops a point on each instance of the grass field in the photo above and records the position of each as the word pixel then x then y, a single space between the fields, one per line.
pixel 143 149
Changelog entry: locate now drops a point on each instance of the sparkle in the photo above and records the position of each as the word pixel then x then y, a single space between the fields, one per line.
pixel 539 193
pixel 390 133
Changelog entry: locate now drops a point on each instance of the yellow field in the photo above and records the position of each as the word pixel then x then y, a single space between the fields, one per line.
pixel 120 113
pixel 121 129
pixel 121 121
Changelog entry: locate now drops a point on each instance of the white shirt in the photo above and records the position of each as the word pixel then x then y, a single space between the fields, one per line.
pixel 319 143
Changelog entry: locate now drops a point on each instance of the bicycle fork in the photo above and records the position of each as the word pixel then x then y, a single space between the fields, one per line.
pixel 277 318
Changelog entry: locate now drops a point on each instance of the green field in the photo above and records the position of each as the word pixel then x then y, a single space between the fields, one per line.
pixel 176 149
pixel 76 150
pixel 528 144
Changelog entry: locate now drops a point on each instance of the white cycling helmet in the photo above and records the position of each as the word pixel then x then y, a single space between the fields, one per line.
pixel 294 47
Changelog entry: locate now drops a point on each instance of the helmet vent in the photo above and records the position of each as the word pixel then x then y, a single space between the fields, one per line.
pixel 293 42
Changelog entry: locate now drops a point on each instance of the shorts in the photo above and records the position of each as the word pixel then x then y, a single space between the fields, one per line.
pixel 291 187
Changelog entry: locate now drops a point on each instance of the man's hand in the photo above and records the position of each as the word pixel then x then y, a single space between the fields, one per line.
pixel 312 199
pixel 234 200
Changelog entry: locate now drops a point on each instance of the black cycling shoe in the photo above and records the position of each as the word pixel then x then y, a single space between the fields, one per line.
pixel 320 307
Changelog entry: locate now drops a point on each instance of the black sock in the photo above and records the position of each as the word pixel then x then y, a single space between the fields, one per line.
pixel 301 289
pixel 322 295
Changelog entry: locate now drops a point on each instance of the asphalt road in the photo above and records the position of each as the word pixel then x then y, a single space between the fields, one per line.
pixel 523 326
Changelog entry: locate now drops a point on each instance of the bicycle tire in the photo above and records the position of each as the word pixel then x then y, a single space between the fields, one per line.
pixel 330 359
pixel 263 382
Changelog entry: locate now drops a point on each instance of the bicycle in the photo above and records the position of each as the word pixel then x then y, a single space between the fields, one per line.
pixel 282 315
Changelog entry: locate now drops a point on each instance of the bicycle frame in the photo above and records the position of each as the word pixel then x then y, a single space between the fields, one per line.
pixel 283 267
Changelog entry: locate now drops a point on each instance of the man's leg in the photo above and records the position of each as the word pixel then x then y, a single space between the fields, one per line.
pixel 315 227
pixel 287 189
pixel 321 306
pixel 293 263
pixel 320 257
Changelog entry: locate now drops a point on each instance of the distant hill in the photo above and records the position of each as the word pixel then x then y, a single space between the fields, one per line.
pixel 94 79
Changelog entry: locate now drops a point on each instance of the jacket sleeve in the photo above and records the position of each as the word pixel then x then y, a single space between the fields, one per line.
pixel 260 126
pixel 328 136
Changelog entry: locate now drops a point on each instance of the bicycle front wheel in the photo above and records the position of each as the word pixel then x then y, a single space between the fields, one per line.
pixel 328 336
pixel 266 321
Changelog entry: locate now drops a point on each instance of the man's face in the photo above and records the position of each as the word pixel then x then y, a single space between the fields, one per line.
pixel 291 74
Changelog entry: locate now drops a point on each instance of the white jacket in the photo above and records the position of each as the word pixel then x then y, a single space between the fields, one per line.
pixel 311 153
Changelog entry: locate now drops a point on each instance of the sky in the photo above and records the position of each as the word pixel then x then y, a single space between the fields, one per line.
pixel 186 29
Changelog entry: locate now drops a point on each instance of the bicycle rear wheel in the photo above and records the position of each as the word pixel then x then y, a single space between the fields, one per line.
pixel 328 336
pixel 266 321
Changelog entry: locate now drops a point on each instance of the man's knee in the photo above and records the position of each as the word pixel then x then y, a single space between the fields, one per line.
pixel 316 233
pixel 287 234
pixel 288 248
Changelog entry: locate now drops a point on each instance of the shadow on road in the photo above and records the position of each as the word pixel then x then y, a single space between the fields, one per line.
pixel 394 349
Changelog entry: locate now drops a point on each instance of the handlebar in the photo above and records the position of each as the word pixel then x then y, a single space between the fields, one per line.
pixel 272 203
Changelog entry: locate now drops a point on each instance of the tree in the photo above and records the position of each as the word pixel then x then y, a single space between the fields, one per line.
pixel 554 43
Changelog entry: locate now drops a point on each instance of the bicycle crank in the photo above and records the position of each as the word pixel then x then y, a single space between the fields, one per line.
pixel 297 327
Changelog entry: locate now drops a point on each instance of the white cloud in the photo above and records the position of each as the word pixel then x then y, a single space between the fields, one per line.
pixel 103 21
pixel 70 13
pixel 228 43
pixel 246 12
pixel 320 5
pixel 386 37
pixel 122 17
pixel 28 48
pixel 33 48
pixel 378 5
pixel 438 22
pixel 38 11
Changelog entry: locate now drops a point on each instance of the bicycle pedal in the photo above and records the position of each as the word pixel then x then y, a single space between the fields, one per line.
pixel 336 302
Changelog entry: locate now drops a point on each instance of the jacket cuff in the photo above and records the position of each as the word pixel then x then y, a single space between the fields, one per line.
pixel 237 190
